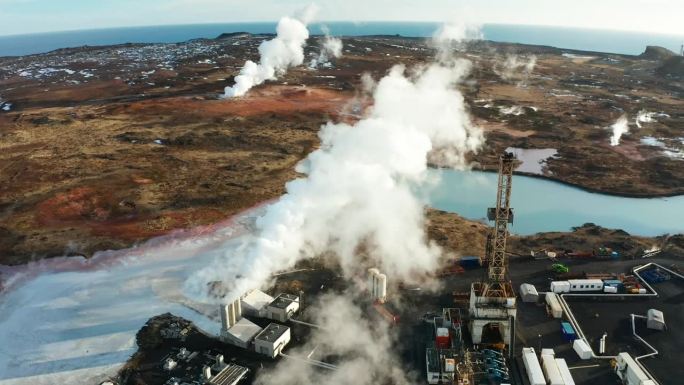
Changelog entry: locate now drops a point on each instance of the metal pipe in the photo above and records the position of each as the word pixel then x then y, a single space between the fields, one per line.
pixel 319 364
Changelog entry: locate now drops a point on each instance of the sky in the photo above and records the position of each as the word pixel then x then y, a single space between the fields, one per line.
pixel 29 16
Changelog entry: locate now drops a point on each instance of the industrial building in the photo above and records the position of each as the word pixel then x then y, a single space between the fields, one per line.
pixel 283 307
pixel 377 285
pixel 272 340
pixel 255 303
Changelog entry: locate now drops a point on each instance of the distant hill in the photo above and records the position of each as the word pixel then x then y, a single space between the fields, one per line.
pixel 653 52
pixel 673 66
pixel 227 35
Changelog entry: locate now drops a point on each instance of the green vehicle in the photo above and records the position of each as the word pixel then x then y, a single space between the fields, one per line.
pixel 559 268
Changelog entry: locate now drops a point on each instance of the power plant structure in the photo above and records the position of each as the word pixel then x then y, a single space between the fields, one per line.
pixel 492 308
pixel 377 285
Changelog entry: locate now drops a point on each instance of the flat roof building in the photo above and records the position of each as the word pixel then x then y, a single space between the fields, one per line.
pixel 242 333
pixel 283 307
pixel 230 375
pixel 272 340
pixel 255 303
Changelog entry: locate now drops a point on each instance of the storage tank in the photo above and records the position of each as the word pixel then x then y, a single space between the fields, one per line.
pixel 550 369
pixel 372 282
pixel 564 371
pixel 381 291
pixel 560 286
pixel 532 367
pixel 554 305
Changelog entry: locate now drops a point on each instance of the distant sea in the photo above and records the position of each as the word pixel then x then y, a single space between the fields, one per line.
pixel 621 42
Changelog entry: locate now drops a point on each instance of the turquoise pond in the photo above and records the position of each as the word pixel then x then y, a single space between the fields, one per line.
pixel 543 205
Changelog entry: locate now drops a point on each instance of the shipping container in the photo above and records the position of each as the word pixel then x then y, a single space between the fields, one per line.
pixel 579 285
pixel 442 339
pixel 560 286
pixel 564 371
pixel 568 331
pixel 582 349
pixel 532 367
pixel 554 305
pixel 610 289
pixel 553 376
pixel 528 293
pixel 470 262
pixel 629 371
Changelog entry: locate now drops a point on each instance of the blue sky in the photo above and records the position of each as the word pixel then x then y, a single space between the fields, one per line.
pixel 27 16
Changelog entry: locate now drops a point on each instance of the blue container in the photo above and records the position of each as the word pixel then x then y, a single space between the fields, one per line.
pixel 568 332
pixel 614 283
pixel 470 262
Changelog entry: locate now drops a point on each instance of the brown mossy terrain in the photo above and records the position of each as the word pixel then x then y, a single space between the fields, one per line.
pixel 104 147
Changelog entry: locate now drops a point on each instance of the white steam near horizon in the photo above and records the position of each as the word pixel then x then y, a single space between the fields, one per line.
pixel 516 68
pixel 619 128
pixel 358 188
pixel 331 48
pixel 276 55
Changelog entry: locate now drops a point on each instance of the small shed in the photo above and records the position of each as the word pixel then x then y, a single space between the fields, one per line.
pixel 528 293
pixel 655 319
pixel 582 349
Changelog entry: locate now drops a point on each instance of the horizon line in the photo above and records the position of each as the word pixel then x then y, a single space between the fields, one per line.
pixel 338 21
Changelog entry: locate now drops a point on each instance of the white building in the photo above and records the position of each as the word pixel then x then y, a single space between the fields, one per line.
pixel 283 307
pixel 241 334
pixel 272 340
pixel 377 285
pixel 255 303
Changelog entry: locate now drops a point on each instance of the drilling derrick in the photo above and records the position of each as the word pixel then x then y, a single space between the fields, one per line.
pixel 492 301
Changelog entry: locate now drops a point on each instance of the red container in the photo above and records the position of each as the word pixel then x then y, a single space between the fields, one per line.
pixel 443 340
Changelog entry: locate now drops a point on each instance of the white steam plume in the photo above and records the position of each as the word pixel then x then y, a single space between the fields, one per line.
pixel 644 117
pixel 620 127
pixel 276 55
pixel 331 47
pixel 358 189
pixel 515 68
pixel 367 351
pixel 452 36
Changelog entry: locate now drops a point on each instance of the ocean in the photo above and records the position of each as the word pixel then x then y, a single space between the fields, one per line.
pixel 621 42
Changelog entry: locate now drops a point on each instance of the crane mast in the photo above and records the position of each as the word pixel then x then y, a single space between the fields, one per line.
pixel 492 308
pixel 502 215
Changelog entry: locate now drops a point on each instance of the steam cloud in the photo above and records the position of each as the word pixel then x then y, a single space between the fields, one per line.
pixel 620 127
pixel 276 55
pixel 365 350
pixel 644 117
pixel 357 192
pixel 516 68
pixel 331 47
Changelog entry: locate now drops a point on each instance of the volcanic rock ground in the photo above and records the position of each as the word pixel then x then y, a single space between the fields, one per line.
pixel 103 147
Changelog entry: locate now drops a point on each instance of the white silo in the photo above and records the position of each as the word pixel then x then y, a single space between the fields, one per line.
pixel 237 307
pixel 373 282
pixel 225 317
pixel 231 313
pixel 381 294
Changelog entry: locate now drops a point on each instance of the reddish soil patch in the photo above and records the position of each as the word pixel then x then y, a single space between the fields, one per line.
pixel 281 100
pixel 74 205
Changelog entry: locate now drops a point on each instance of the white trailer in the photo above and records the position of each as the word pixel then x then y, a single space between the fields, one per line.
pixel 554 305
pixel 564 371
pixel 553 376
pixel 560 286
pixel 532 367
pixel 580 285
pixel 629 371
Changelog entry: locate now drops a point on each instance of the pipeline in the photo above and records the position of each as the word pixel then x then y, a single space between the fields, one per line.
pixel 320 364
